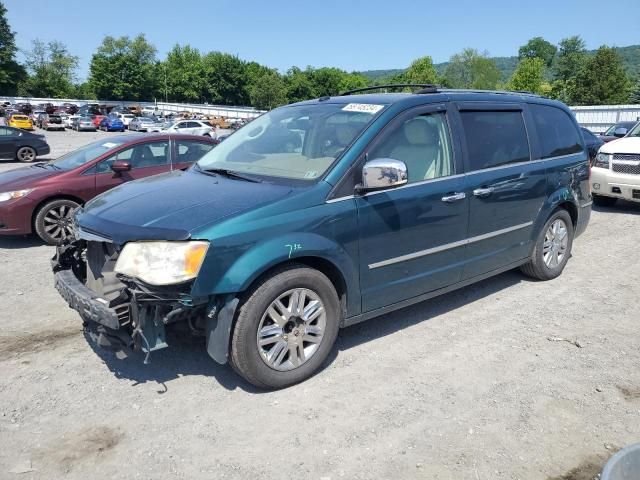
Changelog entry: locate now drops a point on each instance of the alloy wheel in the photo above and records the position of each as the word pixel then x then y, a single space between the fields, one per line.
pixel 26 154
pixel 291 329
pixel 58 222
pixel 555 243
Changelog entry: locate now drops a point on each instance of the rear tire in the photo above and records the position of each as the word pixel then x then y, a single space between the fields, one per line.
pixel 53 222
pixel 26 154
pixel 602 201
pixel 285 327
pixel 552 249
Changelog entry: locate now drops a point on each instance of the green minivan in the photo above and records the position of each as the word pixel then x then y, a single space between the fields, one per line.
pixel 325 213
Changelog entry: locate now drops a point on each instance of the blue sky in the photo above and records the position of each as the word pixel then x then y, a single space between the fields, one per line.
pixel 352 35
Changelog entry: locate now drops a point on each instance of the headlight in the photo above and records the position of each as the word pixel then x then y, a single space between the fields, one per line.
pixel 602 160
pixel 13 195
pixel 162 263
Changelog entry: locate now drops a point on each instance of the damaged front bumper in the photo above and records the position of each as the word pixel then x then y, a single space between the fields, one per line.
pixel 123 314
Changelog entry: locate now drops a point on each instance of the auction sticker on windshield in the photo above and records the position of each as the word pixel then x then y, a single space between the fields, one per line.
pixel 362 108
pixel 110 145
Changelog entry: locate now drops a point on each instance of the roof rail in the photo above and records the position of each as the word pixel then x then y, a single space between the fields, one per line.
pixel 497 92
pixel 424 88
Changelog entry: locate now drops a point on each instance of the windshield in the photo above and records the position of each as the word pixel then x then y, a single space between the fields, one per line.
pixel 299 142
pixel 635 131
pixel 85 154
pixel 610 131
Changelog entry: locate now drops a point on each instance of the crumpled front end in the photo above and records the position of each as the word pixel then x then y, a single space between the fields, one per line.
pixel 124 314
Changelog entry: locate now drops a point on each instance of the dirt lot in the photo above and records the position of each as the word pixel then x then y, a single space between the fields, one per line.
pixel 477 384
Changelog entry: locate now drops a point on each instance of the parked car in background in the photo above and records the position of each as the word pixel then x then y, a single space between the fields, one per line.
pixel 83 123
pixel 150 111
pixel 192 127
pixel 43 196
pixel 16 144
pixel 616 172
pixel 124 117
pixel 616 131
pixel 111 123
pixel 389 201
pixel 142 124
pixel 24 108
pixel 68 120
pixel 52 122
pixel 97 119
pixel 70 108
pixel 592 142
pixel 36 115
pixel 17 120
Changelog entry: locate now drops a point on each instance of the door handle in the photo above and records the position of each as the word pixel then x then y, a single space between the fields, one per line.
pixel 483 192
pixel 454 197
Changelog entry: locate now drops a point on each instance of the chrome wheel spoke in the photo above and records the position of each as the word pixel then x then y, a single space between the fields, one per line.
pixel 277 353
pixel 312 311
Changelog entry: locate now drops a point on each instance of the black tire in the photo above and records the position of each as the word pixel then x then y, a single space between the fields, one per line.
pixel 46 218
pixel 536 267
pixel 26 154
pixel 245 357
pixel 602 201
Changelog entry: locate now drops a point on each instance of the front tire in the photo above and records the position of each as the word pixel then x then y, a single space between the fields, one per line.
pixel 602 201
pixel 552 249
pixel 285 327
pixel 53 222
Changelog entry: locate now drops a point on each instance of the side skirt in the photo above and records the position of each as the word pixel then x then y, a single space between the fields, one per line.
pixel 347 322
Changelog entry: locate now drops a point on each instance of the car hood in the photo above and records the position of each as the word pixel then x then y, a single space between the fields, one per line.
pixel 170 206
pixel 622 145
pixel 24 177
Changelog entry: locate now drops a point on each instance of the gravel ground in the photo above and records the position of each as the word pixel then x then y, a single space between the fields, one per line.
pixel 476 384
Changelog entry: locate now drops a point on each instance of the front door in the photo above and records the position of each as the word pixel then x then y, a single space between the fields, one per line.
pixel 412 237
pixel 506 190
pixel 146 159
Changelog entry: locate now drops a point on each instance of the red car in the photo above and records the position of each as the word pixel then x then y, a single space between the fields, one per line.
pixel 43 196
pixel 96 119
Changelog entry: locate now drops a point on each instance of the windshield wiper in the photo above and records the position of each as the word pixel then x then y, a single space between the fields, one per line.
pixel 228 173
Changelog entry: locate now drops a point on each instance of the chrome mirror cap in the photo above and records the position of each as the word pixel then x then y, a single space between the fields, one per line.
pixel 383 173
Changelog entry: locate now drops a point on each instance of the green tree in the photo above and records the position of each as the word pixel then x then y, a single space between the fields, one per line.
pixel 528 76
pixel 51 70
pixel 571 58
pixel 182 75
pixel 602 80
pixel 11 73
pixel 538 47
pixel 267 90
pixel 326 81
pixel 225 79
pixel 634 98
pixel 299 85
pixel 351 81
pixel 471 69
pixel 421 70
pixel 124 69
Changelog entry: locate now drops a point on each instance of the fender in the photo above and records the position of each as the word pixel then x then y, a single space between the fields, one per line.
pixel 286 248
pixel 560 196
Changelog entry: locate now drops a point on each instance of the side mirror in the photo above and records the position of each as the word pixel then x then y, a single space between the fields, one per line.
pixel 120 166
pixel 620 132
pixel 383 173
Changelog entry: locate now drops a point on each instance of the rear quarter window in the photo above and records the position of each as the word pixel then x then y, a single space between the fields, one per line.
pixel 495 138
pixel 557 133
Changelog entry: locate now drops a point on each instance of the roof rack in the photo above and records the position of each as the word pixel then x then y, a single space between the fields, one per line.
pixel 424 88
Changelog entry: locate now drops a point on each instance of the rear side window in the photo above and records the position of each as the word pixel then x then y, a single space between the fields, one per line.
pixel 495 138
pixel 557 133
